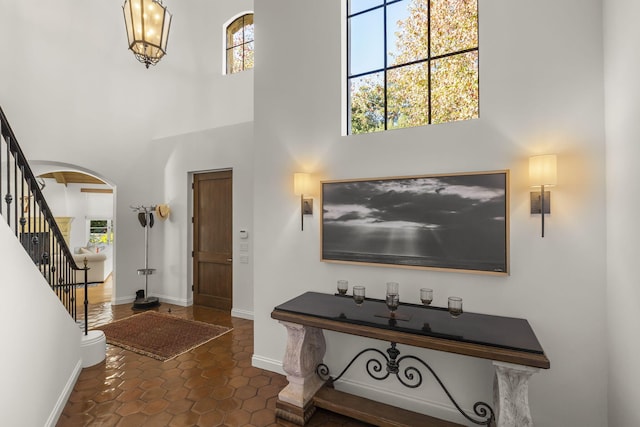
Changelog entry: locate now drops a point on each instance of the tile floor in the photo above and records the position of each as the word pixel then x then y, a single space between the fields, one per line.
pixel 212 385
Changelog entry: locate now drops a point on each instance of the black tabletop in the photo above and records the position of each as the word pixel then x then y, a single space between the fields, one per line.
pixel 497 331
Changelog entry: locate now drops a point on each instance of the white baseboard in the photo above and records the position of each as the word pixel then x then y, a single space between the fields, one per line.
pixel 410 402
pixel 123 300
pixel 267 364
pixel 64 396
pixel 242 314
pixel 183 302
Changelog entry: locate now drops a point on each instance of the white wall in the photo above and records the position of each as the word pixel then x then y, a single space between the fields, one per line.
pixel 41 356
pixel 81 93
pixel 81 98
pixel 541 91
pixel 227 147
pixel 621 62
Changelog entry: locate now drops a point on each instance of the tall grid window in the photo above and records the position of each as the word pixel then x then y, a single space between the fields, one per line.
pixel 411 63
pixel 240 44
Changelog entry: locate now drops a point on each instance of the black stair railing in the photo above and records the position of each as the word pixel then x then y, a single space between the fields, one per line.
pixel 26 211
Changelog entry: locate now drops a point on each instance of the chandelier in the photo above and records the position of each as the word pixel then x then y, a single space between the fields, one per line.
pixel 148 25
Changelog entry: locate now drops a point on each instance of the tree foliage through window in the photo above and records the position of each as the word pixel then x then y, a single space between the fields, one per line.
pixel 240 44
pixel 427 70
pixel 101 231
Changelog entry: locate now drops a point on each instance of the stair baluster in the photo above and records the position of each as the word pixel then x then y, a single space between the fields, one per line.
pixel 33 223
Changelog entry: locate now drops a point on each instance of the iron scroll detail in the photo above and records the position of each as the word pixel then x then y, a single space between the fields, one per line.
pixel 381 368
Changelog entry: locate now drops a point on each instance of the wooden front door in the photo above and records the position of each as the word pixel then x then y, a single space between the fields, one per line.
pixel 212 243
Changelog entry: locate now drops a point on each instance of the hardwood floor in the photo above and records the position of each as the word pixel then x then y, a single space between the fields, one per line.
pixel 211 385
pixel 97 294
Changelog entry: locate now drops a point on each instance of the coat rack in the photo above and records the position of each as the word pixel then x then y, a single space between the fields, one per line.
pixel 146 219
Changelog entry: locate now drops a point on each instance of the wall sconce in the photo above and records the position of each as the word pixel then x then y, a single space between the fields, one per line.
pixel 302 185
pixel 542 173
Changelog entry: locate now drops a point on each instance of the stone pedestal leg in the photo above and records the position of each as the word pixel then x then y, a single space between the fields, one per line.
pixel 511 394
pixel 305 350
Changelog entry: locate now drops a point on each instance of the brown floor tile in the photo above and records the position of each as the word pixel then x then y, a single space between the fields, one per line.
pixel 238 417
pixel 211 385
pixel 212 418
pixel 155 407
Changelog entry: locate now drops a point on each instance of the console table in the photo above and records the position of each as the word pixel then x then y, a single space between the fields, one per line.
pixel 509 342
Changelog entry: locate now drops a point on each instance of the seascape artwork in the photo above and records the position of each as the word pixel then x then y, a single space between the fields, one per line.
pixel 457 222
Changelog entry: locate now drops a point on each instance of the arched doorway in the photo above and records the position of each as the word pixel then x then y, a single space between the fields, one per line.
pixel 83 204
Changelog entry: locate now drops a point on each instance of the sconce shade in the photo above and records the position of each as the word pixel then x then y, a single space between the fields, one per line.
pixel 543 170
pixel 301 183
pixel 147 23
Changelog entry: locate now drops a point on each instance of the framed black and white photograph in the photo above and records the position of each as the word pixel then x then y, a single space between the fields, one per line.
pixel 446 222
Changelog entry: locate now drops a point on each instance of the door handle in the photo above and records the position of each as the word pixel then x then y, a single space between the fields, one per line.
pixel 229 259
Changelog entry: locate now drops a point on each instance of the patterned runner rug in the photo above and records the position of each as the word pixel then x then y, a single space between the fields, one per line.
pixel 160 336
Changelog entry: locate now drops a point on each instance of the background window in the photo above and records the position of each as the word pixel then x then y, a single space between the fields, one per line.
pixel 100 232
pixel 411 63
pixel 240 44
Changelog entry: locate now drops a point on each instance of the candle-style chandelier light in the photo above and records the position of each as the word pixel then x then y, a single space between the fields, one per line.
pixel 147 23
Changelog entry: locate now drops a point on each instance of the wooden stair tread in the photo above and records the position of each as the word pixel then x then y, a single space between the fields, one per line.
pixel 373 412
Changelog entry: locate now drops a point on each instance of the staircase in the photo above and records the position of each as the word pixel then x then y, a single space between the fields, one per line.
pixel 26 212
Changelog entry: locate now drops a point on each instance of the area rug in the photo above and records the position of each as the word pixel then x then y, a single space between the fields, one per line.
pixel 160 336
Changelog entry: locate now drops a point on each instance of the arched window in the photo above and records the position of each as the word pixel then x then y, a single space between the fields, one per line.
pixel 240 44
pixel 411 63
